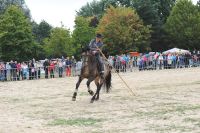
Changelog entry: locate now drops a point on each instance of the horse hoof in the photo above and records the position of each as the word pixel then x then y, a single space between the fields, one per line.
pixel 91 101
pixel 96 99
pixel 91 92
pixel 73 99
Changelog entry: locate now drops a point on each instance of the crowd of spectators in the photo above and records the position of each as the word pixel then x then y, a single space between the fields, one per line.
pixel 65 67
pixel 154 61
pixel 13 70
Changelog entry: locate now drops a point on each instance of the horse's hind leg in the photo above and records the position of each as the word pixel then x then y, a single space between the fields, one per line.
pixel 76 90
pixel 88 86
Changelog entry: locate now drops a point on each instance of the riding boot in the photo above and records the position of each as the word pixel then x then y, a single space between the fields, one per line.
pixel 101 67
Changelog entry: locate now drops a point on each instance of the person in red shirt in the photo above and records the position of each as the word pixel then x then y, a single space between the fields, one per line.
pixel 18 71
pixel 51 69
pixel 68 67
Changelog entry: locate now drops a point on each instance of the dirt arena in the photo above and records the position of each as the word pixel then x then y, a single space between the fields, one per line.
pixel 165 101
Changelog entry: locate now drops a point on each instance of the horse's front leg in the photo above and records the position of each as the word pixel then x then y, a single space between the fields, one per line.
pixel 76 90
pixel 88 86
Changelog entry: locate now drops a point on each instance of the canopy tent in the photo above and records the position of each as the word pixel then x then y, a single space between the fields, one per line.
pixel 134 54
pixel 177 51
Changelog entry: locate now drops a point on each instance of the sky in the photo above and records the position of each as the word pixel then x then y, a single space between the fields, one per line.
pixel 56 11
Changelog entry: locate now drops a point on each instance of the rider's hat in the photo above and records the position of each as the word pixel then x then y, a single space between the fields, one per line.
pixel 98 35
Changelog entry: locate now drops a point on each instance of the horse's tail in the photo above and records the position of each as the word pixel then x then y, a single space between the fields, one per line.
pixel 107 82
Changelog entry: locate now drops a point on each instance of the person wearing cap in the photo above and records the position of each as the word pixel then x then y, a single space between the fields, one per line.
pixel 94 43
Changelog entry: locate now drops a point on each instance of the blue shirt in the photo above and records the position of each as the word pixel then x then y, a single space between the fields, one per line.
pixel 93 45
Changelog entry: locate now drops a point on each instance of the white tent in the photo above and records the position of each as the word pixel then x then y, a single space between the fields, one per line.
pixel 177 51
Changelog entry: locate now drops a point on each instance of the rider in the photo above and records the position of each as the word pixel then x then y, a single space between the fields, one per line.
pixel 94 43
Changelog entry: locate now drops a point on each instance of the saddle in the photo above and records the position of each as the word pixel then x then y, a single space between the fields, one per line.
pixel 85 58
pixel 89 53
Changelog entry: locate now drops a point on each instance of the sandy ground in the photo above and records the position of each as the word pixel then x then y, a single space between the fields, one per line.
pixel 165 101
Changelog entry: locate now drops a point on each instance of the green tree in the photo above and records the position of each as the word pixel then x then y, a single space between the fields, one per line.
pixel 148 11
pixel 95 8
pixel 94 22
pixel 183 25
pixel 155 13
pixel 152 12
pixel 98 8
pixel 59 43
pixel 16 40
pixel 198 4
pixel 4 4
pixel 82 34
pixel 41 31
pixel 126 3
pixel 164 8
pixel 123 31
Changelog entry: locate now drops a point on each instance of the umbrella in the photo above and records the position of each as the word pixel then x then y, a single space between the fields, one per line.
pixel 177 50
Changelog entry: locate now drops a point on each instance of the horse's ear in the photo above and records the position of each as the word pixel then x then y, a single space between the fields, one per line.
pixel 85 49
pixel 105 52
pixel 82 50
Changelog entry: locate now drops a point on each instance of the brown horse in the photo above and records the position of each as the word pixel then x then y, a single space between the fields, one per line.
pixel 90 71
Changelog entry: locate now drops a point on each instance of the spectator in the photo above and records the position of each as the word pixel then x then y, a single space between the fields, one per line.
pixel 117 63
pixel 5 71
pixel 46 65
pixel 73 66
pixel 2 74
pixel 169 61
pixel 78 66
pixel 68 67
pixel 51 69
pixel 13 70
pixel 111 60
pixel 60 68
pixel 24 67
pixel 123 63
pixel 31 70
pixel 39 67
pixel 8 69
pixel 18 71
pixel 160 61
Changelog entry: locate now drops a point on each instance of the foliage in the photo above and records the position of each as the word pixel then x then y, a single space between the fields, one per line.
pixel 198 5
pixel 41 31
pixel 59 43
pixel 123 30
pixel 91 9
pixel 147 10
pixel 4 4
pixel 16 40
pixel 98 8
pixel 155 13
pixel 152 12
pixel 164 8
pixel 82 34
pixel 183 25
pixel 94 22
pixel 95 8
